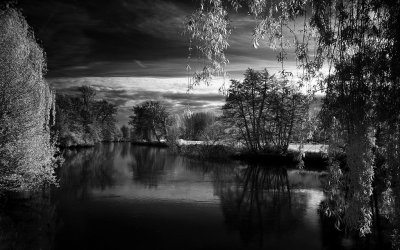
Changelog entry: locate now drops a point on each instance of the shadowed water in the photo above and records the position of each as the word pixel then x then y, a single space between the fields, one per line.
pixel 120 196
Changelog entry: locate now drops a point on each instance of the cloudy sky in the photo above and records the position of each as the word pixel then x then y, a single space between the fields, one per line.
pixel 133 50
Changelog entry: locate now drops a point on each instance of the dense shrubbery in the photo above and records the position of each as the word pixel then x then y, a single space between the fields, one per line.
pixel 193 125
pixel 202 127
pixel 26 108
pixel 84 121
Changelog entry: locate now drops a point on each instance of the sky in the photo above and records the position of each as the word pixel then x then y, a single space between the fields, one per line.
pixel 134 50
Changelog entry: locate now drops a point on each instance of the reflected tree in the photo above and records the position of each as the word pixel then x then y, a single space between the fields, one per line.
pixel 86 169
pixel 126 147
pixel 258 193
pixel 148 164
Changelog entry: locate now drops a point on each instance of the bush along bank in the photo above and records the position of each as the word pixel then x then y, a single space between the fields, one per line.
pixel 222 153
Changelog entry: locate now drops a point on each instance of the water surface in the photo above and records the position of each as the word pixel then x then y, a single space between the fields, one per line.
pixel 120 196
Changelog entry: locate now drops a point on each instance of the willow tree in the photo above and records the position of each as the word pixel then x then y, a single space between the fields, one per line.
pixel 356 44
pixel 26 105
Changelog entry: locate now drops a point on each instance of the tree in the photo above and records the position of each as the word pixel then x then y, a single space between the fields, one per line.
pixel 126 135
pixel 149 119
pixel 358 43
pixel 174 131
pixel 82 120
pixel 195 124
pixel 26 108
pixel 266 111
pixel 87 95
pixel 104 117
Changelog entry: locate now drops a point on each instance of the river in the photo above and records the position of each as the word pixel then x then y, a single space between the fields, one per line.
pixel 121 196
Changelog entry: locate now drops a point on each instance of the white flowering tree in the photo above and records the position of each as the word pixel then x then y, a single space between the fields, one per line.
pixel 26 105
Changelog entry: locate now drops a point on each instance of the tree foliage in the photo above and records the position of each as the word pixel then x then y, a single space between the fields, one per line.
pixel 82 120
pixel 361 95
pixel 195 124
pixel 209 31
pixel 277 24
pixel 265 111
pixel 357 42
pixel 26 108
pixel 126 133
pixel 149 120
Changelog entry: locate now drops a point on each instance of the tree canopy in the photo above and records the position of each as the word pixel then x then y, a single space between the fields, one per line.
pixel 265 111
pixel 26 108
pixel 356 45
pixel 83 120
pixel 149 120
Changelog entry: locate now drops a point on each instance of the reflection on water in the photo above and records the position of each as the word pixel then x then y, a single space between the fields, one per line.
pixel 148 165
pixel 255 202
pixel 120 196
pixel 28 222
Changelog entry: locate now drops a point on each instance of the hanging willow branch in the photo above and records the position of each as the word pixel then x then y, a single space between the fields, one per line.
pixel 355 43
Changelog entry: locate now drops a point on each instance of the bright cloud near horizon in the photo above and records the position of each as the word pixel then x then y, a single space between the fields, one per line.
pixel 127 92
pixel 134 50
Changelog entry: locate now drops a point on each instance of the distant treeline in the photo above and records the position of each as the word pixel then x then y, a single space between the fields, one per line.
pixel 261 113
pixel 151 121
pixel 83 121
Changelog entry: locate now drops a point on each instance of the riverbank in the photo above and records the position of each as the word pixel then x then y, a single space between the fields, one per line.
pixel 139 143
pixel 88 144
pixel 152 144
pixel 313 159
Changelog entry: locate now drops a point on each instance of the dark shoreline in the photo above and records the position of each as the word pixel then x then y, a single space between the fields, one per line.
pixel 217 153
pixel 153 144
pixel 312 161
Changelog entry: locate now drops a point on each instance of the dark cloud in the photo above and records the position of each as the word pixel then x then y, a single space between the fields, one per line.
pixel 129 37
pixel 78 35
pixel 134 50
